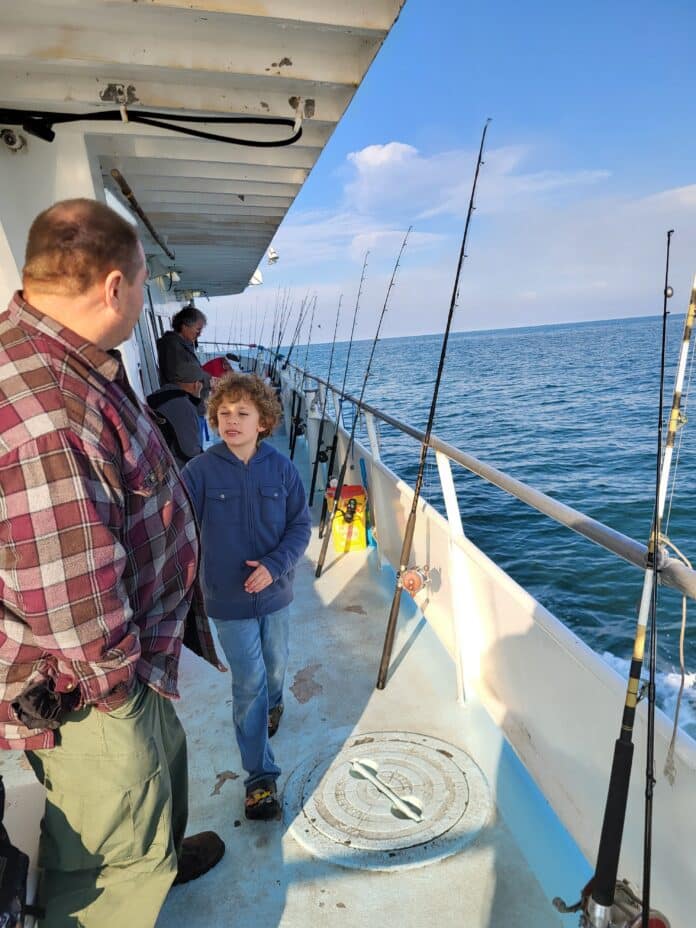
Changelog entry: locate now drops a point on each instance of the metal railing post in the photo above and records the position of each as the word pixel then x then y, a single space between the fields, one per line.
pixel 373 435
pixel 376 502
pixel 459 568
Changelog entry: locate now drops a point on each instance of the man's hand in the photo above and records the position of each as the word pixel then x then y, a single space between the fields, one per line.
pixel 39 706
pixel 259 579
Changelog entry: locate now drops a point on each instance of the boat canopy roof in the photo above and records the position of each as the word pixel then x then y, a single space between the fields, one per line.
pixel 216 205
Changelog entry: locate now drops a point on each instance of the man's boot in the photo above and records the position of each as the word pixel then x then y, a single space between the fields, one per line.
pixel 199 853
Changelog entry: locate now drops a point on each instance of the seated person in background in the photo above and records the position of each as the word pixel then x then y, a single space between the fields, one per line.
pixel 176 405
pixel 217 367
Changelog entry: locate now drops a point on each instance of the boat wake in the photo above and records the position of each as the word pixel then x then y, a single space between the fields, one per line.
pixel 667 692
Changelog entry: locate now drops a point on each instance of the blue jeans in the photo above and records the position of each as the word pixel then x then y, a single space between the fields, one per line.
pixel 257 652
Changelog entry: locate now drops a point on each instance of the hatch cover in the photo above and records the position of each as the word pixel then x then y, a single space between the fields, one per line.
pixel 386 800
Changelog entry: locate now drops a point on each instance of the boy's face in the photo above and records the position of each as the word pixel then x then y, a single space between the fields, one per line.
pixel 239 425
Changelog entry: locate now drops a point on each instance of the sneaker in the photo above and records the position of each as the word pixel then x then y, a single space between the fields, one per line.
pixel 199 853
pixel 261 801
pixel 274 719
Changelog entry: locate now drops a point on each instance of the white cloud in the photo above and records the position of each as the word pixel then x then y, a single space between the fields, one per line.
pixel 379 156
pixel 396 177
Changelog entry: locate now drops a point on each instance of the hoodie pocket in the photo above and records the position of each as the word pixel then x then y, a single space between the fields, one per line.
pixel 222 507
pixel 273 506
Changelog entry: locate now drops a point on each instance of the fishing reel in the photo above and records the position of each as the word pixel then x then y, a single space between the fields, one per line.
pixel 625 912
pixel 414 579
pixel 349 512
pixel 323 454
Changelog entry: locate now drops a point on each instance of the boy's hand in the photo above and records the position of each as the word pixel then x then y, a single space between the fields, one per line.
pixel 259 579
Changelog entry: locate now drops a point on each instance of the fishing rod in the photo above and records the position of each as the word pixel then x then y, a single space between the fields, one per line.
pixel 339 413
pixel 652 657
pixel 258 332
pixel 342 474
pixel 402 579
pixel 297 427
pixel 304 306
pixel 258 338
pixel 309 337
pixel 295 398
pixel 315 465
pixel 271 340
pixel 599 895
pixel 293 411
pixel 278 332
pixel 283 319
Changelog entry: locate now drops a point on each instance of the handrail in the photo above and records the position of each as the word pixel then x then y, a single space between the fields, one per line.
pixel 672 573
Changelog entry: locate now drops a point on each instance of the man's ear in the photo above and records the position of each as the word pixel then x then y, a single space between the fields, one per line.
pixel 113 285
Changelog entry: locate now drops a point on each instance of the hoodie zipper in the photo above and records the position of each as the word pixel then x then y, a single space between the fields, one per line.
pixel 252 533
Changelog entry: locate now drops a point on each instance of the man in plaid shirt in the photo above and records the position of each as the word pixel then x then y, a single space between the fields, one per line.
pixel 98 581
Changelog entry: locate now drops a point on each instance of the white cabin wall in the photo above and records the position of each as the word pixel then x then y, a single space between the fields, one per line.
pixel 162 305
pixel 10 279
pixel 32 180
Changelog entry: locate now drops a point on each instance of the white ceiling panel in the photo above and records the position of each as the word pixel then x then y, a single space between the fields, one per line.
pixel 217 205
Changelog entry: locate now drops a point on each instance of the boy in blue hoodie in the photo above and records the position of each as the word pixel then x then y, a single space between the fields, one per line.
pixel 255 526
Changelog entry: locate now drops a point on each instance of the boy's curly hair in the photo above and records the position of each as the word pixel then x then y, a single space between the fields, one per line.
pixel 234 386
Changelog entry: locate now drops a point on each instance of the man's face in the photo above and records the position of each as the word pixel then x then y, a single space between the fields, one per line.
pixel 193 332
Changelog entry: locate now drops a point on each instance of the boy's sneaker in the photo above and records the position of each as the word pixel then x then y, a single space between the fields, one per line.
pixel 274 719
pixel 261 801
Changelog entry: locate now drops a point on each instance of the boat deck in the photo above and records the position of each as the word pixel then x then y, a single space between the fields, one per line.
pixel 266 877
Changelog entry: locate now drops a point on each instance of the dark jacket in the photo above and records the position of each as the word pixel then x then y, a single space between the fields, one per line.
pixel 178 361
pixel 180 411
pixel 247 512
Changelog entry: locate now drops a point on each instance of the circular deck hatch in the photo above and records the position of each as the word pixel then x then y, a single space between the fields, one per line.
pixel 384 800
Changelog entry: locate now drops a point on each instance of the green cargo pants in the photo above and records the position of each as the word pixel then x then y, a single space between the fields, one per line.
pixel 116 808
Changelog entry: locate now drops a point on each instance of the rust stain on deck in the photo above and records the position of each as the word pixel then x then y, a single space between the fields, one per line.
pixel 358 610
pixel 304 685
pixel 221 777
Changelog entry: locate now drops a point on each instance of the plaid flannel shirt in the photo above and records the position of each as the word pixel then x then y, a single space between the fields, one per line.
pixel 98 541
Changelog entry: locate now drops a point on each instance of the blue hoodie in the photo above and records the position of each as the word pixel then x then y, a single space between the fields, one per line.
pixel 247 512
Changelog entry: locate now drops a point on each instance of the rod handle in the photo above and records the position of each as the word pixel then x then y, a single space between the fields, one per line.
pixel 604 882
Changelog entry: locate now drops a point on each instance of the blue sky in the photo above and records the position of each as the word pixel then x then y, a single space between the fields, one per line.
pixel 590 159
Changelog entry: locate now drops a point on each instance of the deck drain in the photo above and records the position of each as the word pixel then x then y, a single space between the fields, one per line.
pixel 385 800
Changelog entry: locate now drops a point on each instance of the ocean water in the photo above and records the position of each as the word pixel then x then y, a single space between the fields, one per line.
pixel 571 410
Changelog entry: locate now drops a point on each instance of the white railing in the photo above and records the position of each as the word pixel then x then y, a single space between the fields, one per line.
pixel 672 572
